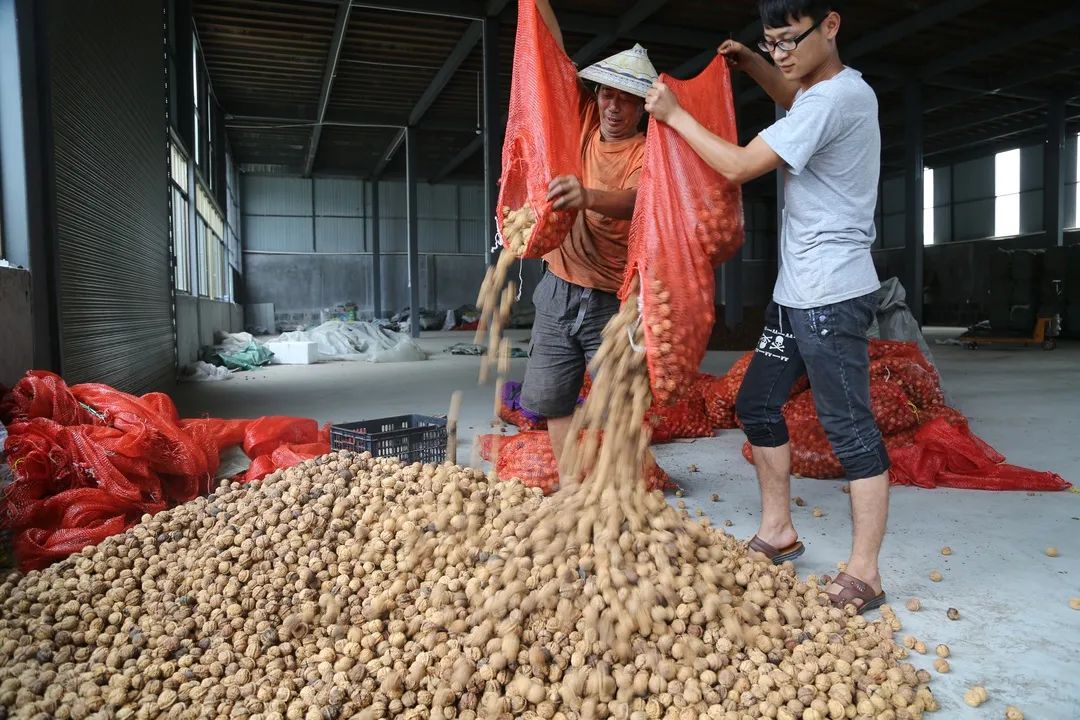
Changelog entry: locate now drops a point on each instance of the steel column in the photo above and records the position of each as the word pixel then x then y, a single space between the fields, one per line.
pixel 492 137
pixel 913 197
pixel 1054 172
pixel 411 152
pixel 376 252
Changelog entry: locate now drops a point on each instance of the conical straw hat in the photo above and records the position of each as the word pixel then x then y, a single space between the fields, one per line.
pixel 630 71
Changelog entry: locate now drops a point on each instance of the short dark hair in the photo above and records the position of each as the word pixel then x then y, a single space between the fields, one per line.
pixel 775 13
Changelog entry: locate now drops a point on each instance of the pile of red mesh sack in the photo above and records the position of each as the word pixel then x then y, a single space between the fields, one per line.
pixel 88 461
pixel 528 458
pixel 930 444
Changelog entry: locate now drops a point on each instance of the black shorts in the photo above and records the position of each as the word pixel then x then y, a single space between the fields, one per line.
pixel 828 344
pixel 566 334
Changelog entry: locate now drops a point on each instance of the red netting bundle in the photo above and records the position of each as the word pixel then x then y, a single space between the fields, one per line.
pixel 108 458
pixel 686 418
pixel 718 394
pixel 944 455
pixel 893 410
pixel 42 394
pixel 528 457
pixel 688 218
pixel 543 137
pixel 930 444
pixel 921 385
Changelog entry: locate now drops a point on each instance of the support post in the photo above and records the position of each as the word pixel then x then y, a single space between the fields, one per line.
pixel 1054 172
pixel 913 197
pixel 376 252
pixel 26 211
pixel 492 135
pixel 413 231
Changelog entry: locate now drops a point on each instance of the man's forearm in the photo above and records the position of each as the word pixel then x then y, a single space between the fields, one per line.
pixel 618 204
pixel 772 81
pixel 544 7
pixel 722 156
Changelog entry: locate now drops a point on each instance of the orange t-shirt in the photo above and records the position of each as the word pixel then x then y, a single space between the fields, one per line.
pixel 594 253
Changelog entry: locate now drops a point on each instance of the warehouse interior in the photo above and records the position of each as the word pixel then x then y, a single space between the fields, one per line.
pixel 171 171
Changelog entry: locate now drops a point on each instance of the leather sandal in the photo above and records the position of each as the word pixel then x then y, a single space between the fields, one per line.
pixel 854 590
pixel 777 556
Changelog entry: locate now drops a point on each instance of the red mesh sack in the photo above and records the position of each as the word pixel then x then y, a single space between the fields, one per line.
pixel 266 434
pixel 686 418
pixel 719 399
pixel 945 455
pixel 893 410
pixel 901 439
pixel 488 446
pixel 185 461
pixel 224 433
pixel 543 140
pixel 519 419
pixel 528 457
pixel 42 394
pixel 37 548
pixel 899 350
pixel 922 386
pixel 800 409
pixel 811 454
pixel 282 457
pixel 688 218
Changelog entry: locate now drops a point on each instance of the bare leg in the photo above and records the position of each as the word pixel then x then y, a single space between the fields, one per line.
pixel 774 478
pixel 869 513
pixel 558 429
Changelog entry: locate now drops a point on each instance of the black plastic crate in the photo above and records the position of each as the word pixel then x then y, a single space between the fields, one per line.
pixel 412 438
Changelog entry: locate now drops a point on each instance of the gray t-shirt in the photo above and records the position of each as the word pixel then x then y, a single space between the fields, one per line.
pixel 831 144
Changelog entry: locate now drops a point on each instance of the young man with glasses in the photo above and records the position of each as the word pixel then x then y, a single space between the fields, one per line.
pixel 577 295
pixel 829 148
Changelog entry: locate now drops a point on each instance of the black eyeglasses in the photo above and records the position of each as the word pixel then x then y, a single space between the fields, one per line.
pixel 769 48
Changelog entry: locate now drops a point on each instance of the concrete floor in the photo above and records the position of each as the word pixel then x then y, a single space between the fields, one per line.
pixel 1016 636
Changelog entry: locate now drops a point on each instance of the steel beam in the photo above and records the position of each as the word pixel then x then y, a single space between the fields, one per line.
pixel 453 61
pixel 341 22
pixel 470 9
pixel 413 231
pixel 492 137
pixel 699 62
pixel 391 150
pixel 961 122
pixel 1054 173
pixel 976 87
pixel 997 43
pixel 630 19
pixel 495 7
pixel 376 252
pixel 349 120
pixel 913 197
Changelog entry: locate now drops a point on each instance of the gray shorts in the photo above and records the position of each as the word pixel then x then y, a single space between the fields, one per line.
pixel 566 334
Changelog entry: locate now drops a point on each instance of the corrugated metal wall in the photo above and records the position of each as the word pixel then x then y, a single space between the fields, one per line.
pixel 107 84
pixel 307 243
pixel 329 215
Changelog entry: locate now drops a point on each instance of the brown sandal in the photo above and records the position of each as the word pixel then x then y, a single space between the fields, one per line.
pixel 778 557
pixel 855 589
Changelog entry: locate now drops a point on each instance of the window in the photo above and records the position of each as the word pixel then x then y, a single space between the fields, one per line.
pixel 210 244
pixel 1007 192
pixel 928 206
pixel 179 229
pixel 195 95
pixel 1076 186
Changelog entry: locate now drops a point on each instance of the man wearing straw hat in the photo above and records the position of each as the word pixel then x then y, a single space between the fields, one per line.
pixel 577 295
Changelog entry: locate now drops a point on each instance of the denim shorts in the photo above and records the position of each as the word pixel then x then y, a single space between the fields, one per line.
pixel 829 345
pixel 570 320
